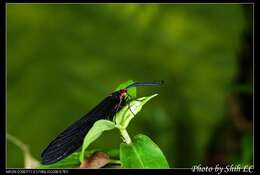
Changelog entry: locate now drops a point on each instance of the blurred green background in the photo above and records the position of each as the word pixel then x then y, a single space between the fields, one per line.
pixel 64 59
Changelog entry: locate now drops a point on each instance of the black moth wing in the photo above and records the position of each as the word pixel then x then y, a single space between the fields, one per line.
pixel 72 138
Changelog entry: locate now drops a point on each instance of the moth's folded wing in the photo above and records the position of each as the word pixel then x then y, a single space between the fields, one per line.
pixel 72 138
pixel 67 142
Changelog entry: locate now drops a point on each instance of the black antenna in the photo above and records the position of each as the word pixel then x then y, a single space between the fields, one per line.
pixel 136 84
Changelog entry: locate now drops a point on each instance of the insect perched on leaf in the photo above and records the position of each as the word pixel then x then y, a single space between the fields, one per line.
pixel 72 138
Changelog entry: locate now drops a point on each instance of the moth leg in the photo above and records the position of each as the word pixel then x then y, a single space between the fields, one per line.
pixel 117 108
pixel 130 109
pixel 128 104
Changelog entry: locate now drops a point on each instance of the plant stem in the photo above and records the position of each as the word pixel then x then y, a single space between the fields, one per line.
pixel 29 160
pixel 125 135
pixel 18 143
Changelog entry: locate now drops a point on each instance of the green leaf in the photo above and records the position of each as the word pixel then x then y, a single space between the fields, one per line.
pixel 142 153
pixel 113 153
pixel 127 113
pixel 97 129
pixel 131 91
pixel 73 160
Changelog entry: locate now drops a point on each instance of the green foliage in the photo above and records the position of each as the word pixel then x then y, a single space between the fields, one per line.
pixel 94 133
pixel 128 112
pixel 73 160
pixel 142 153
pixel 131 91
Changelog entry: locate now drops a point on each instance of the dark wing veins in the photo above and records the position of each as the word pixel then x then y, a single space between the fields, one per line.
pixel 71 138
